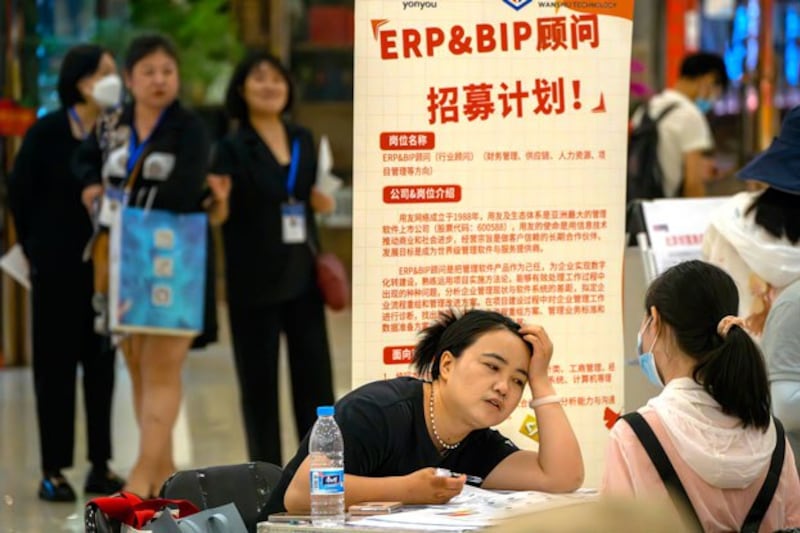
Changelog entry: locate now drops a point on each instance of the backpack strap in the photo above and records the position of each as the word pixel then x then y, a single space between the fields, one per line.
pixel 664 467
pixel 756 514
pixel 666 111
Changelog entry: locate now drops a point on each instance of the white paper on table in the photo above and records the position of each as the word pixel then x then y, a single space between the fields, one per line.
pixel 372 523
pixel 434 518
pixel 326 182
pixel 15 264
pixel 475 508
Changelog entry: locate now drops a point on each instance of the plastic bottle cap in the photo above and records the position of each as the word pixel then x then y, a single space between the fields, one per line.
pixel 325 410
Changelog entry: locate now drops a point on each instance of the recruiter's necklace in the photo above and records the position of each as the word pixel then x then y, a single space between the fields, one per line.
pixel 442 443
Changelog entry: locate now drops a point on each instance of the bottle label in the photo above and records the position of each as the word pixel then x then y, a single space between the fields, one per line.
pixel 327 481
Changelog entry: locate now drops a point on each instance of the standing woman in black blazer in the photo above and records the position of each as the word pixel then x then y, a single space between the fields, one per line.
pixel 161 129
pixel 53 228
pixel 269 235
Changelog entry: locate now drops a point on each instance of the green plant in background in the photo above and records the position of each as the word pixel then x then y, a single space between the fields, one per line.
pixel 204 32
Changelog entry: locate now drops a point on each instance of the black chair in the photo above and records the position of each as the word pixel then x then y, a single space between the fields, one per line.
pixel 247 485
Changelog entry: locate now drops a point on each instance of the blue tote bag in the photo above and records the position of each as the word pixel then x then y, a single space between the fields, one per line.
pixel 157 272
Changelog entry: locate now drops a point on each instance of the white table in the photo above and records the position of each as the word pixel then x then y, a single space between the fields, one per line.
pixel 487 508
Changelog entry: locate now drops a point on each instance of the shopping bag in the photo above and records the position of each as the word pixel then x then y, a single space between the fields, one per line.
pixel 125 510
pixel 157 272
pixel 222 519
pixel 164 523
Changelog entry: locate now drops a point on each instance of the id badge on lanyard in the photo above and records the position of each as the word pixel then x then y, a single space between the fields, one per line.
pixel 114 198
pixel 293 213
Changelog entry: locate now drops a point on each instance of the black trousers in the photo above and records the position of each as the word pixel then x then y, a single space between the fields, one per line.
pixel 63 336
pixel 256 338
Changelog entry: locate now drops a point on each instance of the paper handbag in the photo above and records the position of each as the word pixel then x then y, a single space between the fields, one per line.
pixel 222 519
pixel 157 272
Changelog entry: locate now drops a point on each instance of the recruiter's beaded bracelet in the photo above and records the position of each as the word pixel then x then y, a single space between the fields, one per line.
pixel 544 400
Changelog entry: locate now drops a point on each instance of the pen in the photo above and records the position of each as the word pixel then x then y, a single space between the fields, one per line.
pixel 472 480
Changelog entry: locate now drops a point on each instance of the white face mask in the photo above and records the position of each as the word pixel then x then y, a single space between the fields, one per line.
pixel 107 91
pixel 647 361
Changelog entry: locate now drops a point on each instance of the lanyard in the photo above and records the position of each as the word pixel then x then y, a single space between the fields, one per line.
pixel 74 115
pixel 291 180
pixel 135 148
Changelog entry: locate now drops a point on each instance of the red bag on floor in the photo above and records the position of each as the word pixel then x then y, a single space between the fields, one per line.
pixel 332 281
pixel 107 513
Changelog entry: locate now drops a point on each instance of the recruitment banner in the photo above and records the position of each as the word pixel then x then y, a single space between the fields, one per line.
pixel 489 172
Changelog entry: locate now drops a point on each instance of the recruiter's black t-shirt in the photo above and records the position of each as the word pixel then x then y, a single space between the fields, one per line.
pixel 383 426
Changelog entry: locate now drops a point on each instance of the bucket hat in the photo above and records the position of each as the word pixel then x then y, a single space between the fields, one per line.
pixel 779 165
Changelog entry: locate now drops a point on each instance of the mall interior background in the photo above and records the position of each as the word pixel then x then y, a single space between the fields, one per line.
pixel 760 40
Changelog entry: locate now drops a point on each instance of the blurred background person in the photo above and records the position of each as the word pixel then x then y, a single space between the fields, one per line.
pixel 712 417
pixel 781 345
pixel 270 238
pixel 755 236
pixel 154 121
pixel 53 228
pixel 684 136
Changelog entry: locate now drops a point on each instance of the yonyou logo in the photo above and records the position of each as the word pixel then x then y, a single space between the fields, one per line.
pixel 415 4
pixel 517 4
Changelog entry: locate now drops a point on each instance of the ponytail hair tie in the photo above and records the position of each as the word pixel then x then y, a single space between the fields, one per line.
pixel 727 323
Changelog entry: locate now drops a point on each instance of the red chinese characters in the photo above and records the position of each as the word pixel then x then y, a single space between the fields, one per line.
pixel 553 33
pixel 490 273
pixel 410 194
pixel 591 373
pixel 413 140
pixel 477 101
pixel 587 400
pixel 549 34
pixel 685 240
pixel 398 355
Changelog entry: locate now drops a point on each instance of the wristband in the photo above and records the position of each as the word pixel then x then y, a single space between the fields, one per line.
pixel 544 400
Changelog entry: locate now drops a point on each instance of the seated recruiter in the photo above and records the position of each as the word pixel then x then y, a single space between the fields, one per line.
pixel 397 432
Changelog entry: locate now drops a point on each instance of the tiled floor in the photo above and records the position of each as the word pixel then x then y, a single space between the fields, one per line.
pixel 209 429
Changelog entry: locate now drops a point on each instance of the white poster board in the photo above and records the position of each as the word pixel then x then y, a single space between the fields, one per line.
pixel 675 227
pixel 490 142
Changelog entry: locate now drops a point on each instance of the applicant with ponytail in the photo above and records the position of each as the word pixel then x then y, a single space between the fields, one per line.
pixel 475 368
pixel 712 418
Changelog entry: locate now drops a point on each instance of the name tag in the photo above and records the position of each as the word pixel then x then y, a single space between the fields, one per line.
pixel 293 216
pixel 158 166
pixel 112 201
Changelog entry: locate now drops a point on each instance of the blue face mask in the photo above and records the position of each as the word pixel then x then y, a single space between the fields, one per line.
pixel 704 105
pixel 647 361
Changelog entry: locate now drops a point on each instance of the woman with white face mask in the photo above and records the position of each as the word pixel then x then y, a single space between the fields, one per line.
pixel 711 423
pixel 53 228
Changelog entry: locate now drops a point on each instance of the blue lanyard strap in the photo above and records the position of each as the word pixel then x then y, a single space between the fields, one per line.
pixel 135 148
pixel 291 180
pixel 74 115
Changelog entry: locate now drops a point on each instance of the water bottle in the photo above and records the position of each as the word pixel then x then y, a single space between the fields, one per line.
pixel 326 456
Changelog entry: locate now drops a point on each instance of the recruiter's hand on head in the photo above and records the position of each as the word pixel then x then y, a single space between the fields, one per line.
pixel 542 351
pixel 425 487
pixel 89 195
